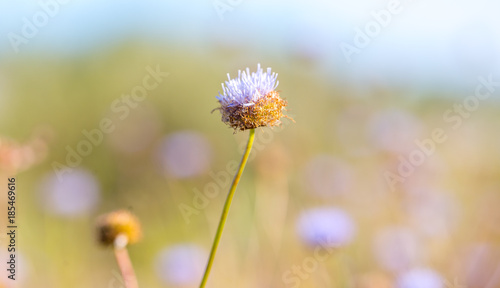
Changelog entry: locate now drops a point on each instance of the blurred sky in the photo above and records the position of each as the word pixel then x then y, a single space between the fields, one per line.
pixel 440 43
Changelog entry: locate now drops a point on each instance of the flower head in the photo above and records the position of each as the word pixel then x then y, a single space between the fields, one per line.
pixel 326 227
pixel 70 195
pixel 118 228
pixel 250 100
pixel 421 278
pixel 181 265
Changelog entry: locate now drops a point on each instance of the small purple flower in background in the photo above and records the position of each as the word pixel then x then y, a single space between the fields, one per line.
pixel 181 265
pixel 327 176
pixel 184 154
pixel 326 226
pixel 76 194
pixel 420 278
pixel 396 248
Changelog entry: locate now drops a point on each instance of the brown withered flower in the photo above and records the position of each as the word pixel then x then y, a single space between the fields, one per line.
pixel 118 228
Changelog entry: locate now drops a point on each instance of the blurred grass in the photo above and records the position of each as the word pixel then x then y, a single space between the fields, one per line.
pixel 70 94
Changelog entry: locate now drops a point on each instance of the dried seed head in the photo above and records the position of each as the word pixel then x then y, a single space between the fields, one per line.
pixel 118 228
pixel 250 100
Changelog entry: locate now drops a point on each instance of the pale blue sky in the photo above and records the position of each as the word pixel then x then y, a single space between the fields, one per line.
pixel 427 42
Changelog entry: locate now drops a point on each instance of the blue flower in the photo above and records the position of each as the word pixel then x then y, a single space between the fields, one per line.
pixel 420 278
pixel 326 227
pixel 248 88
pixel 181 265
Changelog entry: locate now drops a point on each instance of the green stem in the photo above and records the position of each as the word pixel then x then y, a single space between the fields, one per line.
pixel 227 205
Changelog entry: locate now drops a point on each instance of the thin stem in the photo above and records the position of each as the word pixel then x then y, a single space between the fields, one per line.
pixel 128 274
pixel 227 205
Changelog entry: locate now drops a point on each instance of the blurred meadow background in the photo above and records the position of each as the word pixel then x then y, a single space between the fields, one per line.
pixel 361 165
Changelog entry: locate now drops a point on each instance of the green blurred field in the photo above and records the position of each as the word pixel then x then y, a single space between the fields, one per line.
pixel 64 95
